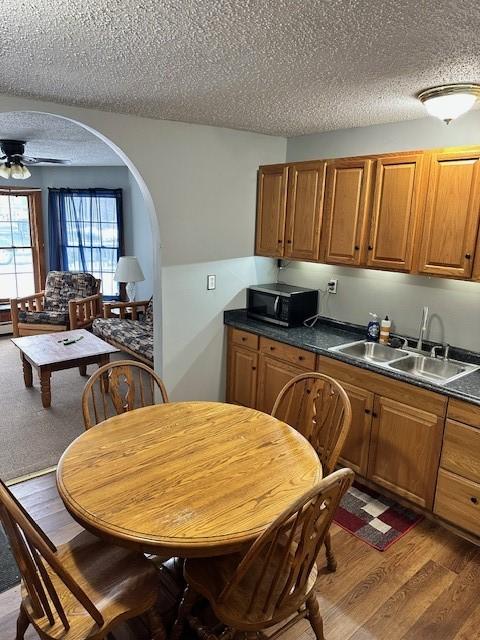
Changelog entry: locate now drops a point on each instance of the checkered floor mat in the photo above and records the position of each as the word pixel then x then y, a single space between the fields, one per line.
pixel 373 518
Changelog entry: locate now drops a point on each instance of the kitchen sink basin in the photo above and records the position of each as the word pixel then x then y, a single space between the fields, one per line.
pixel 370 351
pixel 405 361
pixel 431 369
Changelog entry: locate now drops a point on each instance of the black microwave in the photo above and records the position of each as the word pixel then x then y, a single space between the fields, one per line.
pixel 281 304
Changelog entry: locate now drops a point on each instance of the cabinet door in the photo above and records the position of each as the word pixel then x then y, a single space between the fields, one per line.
pixel 306 188
pixel 273 376
pixel 396 207
pixel 451 215
pixel 355 450
pixel 347 203
pixel 405 450
pixel 242 376
pixel 271 209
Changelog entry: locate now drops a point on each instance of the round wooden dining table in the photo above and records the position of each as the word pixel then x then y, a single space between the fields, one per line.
pixel 187 479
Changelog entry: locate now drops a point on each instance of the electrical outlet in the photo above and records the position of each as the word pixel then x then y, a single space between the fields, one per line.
pixel 211 282
pixel 332 286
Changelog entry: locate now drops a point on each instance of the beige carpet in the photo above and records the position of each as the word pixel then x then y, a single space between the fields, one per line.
pixel 31 437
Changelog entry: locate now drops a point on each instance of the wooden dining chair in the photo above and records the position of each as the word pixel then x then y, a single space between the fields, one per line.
pixel 81 589
pixel 318 407
pixel 118 387
pixel 275 580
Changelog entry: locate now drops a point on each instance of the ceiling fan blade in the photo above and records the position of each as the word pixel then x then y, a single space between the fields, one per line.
pixel 29 160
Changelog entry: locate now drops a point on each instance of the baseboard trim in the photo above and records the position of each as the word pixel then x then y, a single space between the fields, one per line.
pixel 31 476
pixel 5 328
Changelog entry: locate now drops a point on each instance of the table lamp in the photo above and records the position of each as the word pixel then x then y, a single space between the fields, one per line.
pixel 129 271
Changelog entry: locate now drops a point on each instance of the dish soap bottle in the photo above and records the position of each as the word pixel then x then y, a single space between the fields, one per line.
pixel 373 328
pixel 385 327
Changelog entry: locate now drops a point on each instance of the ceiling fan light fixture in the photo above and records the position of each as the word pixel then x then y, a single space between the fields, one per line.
pixel 19 171
pixel 5 171
pixel 449 101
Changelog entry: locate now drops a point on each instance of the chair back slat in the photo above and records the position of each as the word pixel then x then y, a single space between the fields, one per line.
pixel 44 580
pixel 118 387
pixel 50 589
pixel 283 557
pixel 24 563
pixel 32 549
pixel 318 407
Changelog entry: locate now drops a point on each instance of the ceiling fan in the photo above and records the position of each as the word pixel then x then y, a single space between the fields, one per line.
pixel 14 161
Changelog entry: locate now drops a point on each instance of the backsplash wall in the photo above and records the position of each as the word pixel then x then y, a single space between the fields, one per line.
pixel 454 305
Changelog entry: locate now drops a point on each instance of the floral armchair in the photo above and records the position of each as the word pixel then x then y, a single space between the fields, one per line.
pixel 71 300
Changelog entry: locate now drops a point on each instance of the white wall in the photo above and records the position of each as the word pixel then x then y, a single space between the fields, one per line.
pixel 139 237
pixel 426 133
pixel 456 305
pixel 200 185
pixel 137 226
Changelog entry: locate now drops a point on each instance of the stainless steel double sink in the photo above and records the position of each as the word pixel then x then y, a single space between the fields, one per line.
pixel 406 361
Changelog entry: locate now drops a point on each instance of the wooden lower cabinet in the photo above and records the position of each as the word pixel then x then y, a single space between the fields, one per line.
pixel 458 501
pixel 273 375
pixel 355 451
pixel 397 430
pixel 405 449
pixel 242 376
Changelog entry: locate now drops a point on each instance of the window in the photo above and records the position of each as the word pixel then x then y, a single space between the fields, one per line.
pixel 21 243
pixel 85 231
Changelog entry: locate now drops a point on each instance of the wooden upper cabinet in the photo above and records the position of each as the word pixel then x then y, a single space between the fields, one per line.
pixel 347 202
pixel 306 188
pixel 396 206
pixel 271 210
pixel 451 215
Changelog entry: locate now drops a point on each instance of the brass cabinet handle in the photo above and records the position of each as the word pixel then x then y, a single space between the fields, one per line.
pixel 357 248
pixel 368 412
pixel 272 348
pixel 243 338
pixel 370 248
pixel 301 357
pixel 468 256
pixel 474 500
pixel 254 368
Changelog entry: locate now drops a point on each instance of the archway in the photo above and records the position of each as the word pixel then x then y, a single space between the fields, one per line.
pixel 149 209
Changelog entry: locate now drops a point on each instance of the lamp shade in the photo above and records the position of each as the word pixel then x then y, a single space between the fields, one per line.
pixel 128 270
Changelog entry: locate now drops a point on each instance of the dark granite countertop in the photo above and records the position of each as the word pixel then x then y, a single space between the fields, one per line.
pixel 330 333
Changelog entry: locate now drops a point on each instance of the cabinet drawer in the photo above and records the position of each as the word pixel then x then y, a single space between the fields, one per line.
pixel 464 412
pixel 300 357
pixel 458 501
pixel 244 338
pixel 461 450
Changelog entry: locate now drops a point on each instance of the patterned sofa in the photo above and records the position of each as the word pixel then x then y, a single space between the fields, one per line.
pixel 70 300
pixel 128 326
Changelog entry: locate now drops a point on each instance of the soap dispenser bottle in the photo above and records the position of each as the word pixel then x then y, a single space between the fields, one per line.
pixel 385 327
pixel 373 328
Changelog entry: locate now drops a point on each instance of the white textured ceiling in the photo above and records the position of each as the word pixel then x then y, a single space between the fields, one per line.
pixel 52 137
pixel 277 66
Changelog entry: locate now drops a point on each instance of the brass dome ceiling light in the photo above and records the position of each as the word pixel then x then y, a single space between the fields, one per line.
pixel 449 101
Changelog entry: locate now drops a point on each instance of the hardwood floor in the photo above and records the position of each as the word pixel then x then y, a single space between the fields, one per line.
pixel 425 587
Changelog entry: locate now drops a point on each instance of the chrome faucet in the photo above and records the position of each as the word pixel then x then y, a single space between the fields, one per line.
pixel 446 350
pixel 423 328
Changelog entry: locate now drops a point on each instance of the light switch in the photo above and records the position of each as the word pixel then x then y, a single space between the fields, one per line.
pixel 211 282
